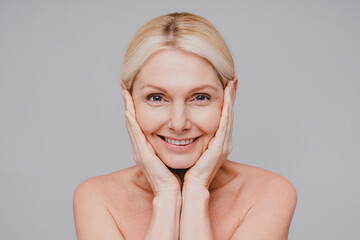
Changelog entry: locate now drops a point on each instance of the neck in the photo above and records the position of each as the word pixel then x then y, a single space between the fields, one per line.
pixel 180 174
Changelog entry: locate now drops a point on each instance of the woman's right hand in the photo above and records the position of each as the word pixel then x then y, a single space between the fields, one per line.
pixel 161 179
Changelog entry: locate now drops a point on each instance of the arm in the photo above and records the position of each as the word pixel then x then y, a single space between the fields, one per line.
pixel 271 216
pixel 195 221
pixel 92 219
pixel 165 217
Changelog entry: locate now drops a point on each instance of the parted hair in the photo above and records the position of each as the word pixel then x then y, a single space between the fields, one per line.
pixel 183 31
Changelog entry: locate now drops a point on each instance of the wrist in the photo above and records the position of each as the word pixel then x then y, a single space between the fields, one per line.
pixel 166 190
pixel 194 179
pixel 195 190
pixel 167 198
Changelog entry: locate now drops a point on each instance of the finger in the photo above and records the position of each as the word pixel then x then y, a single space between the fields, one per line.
pixel 138 138
pixel 136 135
pixel 225 111
pixel 230 116
pixel 132 126
pixel 133 140
pixel 124 98
pixel 219 140
pixel 129 127
pixel 129 103
pixel 224 133
pixel 138 146
pixel 230 103
pixel 131 123
pixel 135 129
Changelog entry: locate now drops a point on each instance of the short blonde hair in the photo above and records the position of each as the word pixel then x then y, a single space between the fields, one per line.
pixel 183 31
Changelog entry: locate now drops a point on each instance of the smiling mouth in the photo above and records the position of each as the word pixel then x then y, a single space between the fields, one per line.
pixel 178 142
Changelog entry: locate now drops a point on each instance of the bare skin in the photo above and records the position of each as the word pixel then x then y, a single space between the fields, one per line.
pixel 183 116
pixel 128 197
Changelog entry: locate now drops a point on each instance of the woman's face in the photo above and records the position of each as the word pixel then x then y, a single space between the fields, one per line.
pixel 178 101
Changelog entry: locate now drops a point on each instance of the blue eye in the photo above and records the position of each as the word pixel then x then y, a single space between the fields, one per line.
pixel 155 98
pixel 202 97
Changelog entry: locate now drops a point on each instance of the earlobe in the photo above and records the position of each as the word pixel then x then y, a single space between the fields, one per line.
pixel 122 85
pixel 235 79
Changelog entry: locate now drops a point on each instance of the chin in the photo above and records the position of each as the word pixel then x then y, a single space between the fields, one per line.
pixel 178 165
pixel 179 162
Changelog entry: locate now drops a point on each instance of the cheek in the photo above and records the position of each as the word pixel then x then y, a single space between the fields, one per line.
pixel 207 119
pixel 148 119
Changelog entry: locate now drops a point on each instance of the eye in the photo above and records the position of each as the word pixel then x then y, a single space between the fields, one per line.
pixel 202 98
pixel 155 98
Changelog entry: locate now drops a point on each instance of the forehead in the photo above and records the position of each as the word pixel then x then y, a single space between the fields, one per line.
pixel 173 68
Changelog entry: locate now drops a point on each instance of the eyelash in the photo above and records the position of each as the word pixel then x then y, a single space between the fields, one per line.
pixel 207 97
pixel 149 97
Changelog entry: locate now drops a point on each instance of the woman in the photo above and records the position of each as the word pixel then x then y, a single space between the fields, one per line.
pixel 179 89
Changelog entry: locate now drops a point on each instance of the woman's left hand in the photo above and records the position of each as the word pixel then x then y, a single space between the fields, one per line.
pixel 219 146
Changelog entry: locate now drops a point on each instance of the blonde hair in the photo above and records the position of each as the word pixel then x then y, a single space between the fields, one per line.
pixel 183 31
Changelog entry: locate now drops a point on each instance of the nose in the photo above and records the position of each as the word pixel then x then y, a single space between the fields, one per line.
pixel 178 120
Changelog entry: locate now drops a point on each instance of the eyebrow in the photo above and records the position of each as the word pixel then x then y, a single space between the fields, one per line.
pixel 154 87
pixel 192 90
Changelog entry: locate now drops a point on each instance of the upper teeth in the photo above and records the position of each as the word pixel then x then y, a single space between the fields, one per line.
pixel 177 142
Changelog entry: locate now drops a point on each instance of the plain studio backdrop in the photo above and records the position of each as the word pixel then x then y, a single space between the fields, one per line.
pixel 297 110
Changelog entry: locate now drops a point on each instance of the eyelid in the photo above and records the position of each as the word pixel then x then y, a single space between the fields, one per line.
pixel 155 103
pixel 204 94
pixel 154 94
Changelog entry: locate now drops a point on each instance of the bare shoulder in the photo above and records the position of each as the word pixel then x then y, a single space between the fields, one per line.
pixel 272 201
pixel 93 204
pixel 262 183
pixel 105 187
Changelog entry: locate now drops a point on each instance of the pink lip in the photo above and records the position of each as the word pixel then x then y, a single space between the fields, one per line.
pixel 178 148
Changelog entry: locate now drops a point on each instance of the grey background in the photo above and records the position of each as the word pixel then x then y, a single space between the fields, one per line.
pixel 61 111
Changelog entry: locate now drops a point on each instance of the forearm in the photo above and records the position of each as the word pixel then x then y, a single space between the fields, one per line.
pixel 195 221
pixel 165 218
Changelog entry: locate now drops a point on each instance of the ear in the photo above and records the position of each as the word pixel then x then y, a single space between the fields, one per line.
pixel 122 85
pixel 235 79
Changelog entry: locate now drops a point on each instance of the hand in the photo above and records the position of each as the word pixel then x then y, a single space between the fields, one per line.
pixel 159 176
pixel 219 146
